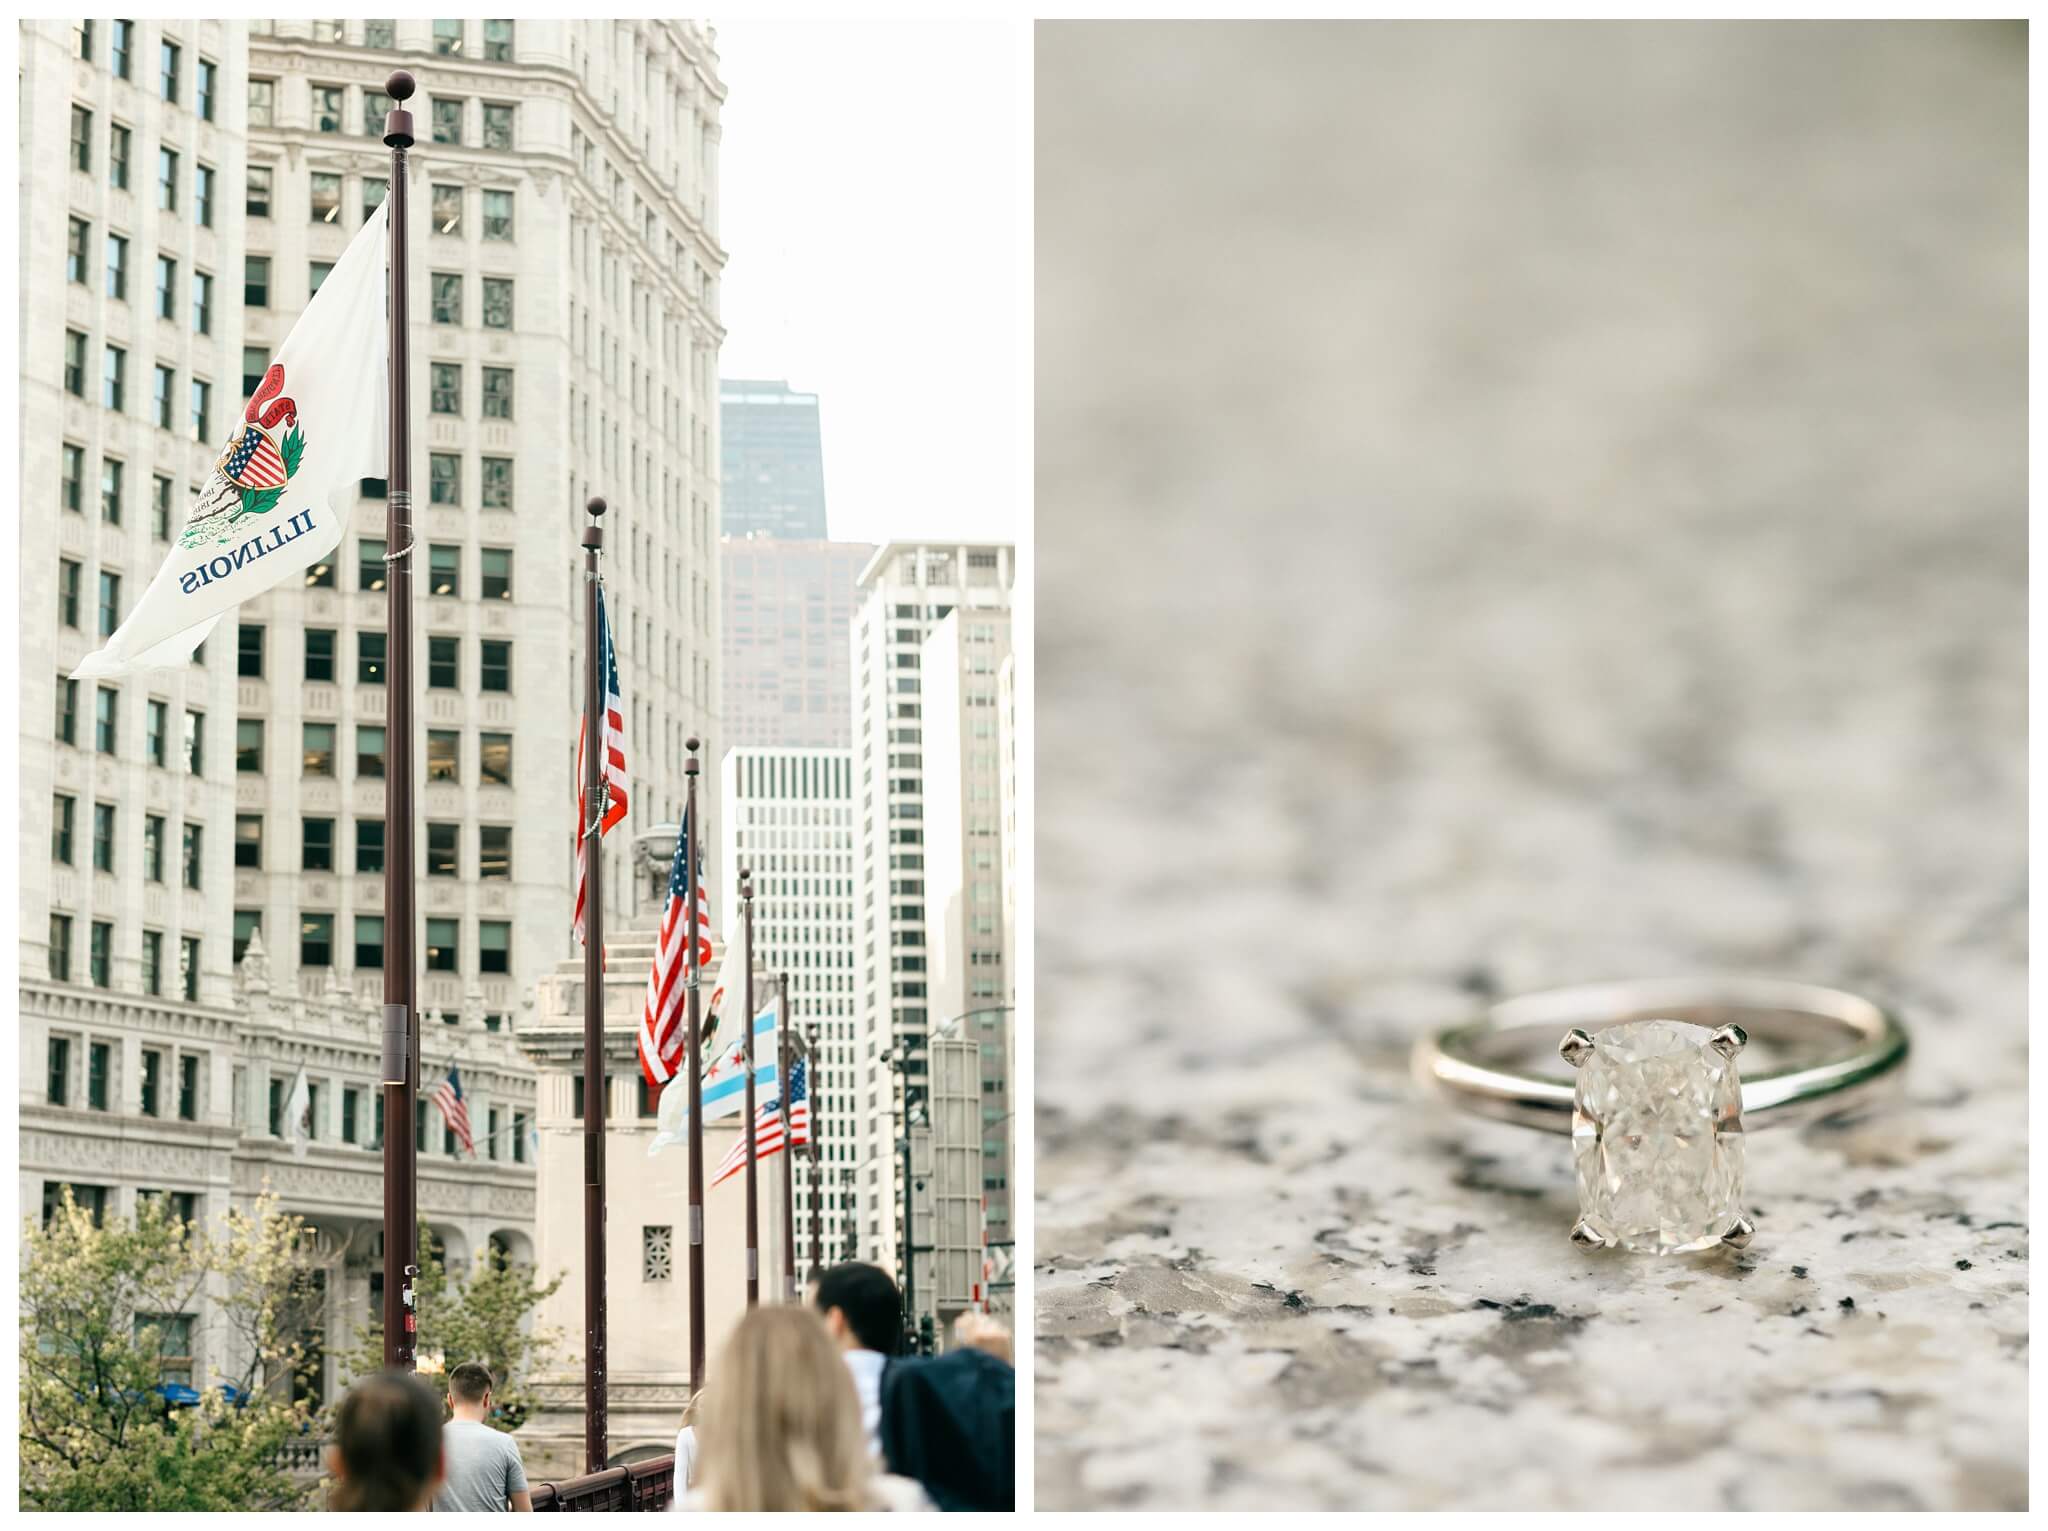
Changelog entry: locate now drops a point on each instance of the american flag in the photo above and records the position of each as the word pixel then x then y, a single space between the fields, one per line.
pixel 768 1126
pixel 613 770
pixel 454 1111
pixel 663 1042
pixel 252 460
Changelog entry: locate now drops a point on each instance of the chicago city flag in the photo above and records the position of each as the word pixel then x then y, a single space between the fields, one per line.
pixel 266 511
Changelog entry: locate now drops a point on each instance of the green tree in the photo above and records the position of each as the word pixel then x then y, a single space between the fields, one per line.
pixel 102 1308
pixel 483 1316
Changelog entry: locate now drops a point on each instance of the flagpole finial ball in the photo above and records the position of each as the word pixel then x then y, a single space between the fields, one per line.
pixel 596 506
pixel 400 86
pixel 688 744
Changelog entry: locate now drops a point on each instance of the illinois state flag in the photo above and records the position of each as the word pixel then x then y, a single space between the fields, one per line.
pixel 267 511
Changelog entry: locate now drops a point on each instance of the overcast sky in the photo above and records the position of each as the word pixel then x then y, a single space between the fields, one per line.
pixel 868 173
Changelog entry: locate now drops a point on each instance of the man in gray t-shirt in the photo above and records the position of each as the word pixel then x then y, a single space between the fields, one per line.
pixel 481 1466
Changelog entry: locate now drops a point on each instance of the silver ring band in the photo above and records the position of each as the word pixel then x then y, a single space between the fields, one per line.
pixel 1829 1043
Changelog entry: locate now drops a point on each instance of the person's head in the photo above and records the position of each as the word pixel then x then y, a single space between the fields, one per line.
pixel 469 1390
pixel 860 1307
pixel 387 1444
pixel 693 1411
pixel 786 1434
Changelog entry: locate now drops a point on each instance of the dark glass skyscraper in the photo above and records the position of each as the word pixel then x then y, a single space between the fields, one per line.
pixel 773 463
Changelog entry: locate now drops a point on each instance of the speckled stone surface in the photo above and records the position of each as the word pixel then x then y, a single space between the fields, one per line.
pixel 1519 507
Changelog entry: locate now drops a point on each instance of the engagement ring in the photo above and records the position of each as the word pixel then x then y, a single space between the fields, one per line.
pixel 1659 1109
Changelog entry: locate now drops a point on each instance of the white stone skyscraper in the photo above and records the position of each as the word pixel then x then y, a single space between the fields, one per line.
pixel 907 590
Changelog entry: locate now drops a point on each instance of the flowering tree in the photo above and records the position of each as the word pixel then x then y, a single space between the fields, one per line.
pixel 103 1312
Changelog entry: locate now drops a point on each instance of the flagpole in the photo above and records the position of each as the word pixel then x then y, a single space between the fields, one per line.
pixel 785 1052
pixel 817 1131
pixel 401 983
pixel 752 1132
pixel 595 748
pixel 693 1071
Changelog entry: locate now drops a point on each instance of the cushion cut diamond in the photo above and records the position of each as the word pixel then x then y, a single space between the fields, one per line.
pixel 1657 1133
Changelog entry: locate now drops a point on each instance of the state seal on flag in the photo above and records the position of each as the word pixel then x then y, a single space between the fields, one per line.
pixel 250 475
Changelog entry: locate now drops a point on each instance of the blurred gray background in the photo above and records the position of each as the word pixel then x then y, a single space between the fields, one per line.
pixel 1520 505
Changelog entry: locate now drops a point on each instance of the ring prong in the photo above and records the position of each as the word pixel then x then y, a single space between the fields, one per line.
pixel 1729 1040
pixel 1577 1044
pixel 1584 1236
pixel 1738 1237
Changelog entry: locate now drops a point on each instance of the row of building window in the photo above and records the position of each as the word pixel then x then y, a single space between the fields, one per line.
pixel 317 848
pixel 170 65
pixel 99 956
pixel 114 389
pixel 495 1143
pixel 449 36
pixel 99 1067
pixel 63 833
pixel 443 946
pixel 121 167
pixel 447 116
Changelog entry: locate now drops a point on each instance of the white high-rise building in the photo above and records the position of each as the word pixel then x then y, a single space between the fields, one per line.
pixel 785 653
pixel 907 589
pixel 185 187
pixel 789 819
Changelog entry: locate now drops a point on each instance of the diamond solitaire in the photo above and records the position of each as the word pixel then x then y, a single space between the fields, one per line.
pixel 1657 1134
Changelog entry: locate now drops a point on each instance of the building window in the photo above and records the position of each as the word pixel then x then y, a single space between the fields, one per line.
pixel 256 281
pixel 60 950
pixel 249 652
pixel 498 41
pixel 262 103
pixel 99 1060
pixel 370 659
pixel 122 59
pixel 275 1120
pixel 447 208
pixel 78 251
pixel 81 139
pixel 153 964
pixel 120 149
pixel 110 595
pixel 374 188
pixel 249 746
pixel 376 107
pixel 320 653
pixel 496 673
pixel 153 847
pixel 656 1254
pixel 74 474
pixel 444 478
pixel 497 303
pixel 497 485
pixel 494 850
pixel 444 668
pixel 249 841
pixel 496 1130
pixel 152 1080
pixel 497 211
pixel 316 274
pixel 316 845
pixel 247 923
pixel 202 410
pixel 171 58
pixel 160 508
pixel 519 1137
pixel 321 575
pixel 117 267
pixel 370 563
pixel 316 940
pixel 74 371
pixel 370 934
pixel 325 201
pixel 103 837
pixel 111 484
pixel 167 179
pixel 63 810
pixel 257 198
pixel 202 195
pixel 447 120
pixel 189 948
pixel 195 741
pixel 447 296
pixel 380 34
pixel 114 379
pixel 166 288
pixel 68 571
pixel 444 561
pixel 103 720
pixel 446 388
pixel 497 393
pixel 494 946
pixel 317 749
pixel 369 845
pixel 447 37
pixel 444 753
pixel 202 303
pixel 494 759
pixel 156 730
pixel 188 1088
pixel 441 952
pixel 327 100
pixel 442 860
pixel 497 126
pixel 162 407
pixel 351 1112
pixel 58 1090
pixel 255 361
pixel 208 81
pixel 370 762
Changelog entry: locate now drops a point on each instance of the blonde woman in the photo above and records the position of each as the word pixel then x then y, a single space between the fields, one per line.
pixel 786 1432
pixel 686 1450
